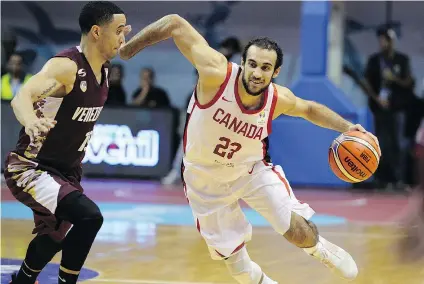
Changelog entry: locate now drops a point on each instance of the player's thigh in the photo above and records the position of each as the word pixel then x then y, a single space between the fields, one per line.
pixel 37 189
pixel 42 192
pixel 272 196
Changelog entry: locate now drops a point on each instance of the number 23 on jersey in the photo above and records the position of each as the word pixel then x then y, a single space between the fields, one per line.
pixel 226 148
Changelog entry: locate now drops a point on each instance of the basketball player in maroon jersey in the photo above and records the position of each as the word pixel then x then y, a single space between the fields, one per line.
pixel 58 108
pixel 226 142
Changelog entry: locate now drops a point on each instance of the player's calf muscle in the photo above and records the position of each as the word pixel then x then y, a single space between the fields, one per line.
pixel 301 233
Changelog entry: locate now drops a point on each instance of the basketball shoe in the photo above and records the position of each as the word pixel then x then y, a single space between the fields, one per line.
pixel 14 278
pixel 337 259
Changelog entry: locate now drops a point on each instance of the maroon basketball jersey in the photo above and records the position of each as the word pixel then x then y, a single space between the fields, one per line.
pixel 63 147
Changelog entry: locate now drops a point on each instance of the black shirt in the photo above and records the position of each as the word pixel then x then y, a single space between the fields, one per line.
pixel 155 98
pixel 116 96
pixel 399 66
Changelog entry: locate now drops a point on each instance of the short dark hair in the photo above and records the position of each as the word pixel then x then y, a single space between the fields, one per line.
pixel 150 71
pixel 118 66
pixel 97 13
pixel 387 32
pixel 265 43
pixel 232 43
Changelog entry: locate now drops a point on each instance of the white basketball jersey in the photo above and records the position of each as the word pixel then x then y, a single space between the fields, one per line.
pixel 224 138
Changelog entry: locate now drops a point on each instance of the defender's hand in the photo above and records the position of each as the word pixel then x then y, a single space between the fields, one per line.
pixel 38 126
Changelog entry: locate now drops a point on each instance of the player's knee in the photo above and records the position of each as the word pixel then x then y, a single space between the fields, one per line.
pixel 80 210
pixel 94 218
pixel 242 269
pixel 89 215
pixel 313 228
pixel 302 233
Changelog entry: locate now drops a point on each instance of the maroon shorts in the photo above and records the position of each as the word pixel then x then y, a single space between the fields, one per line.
pixel 41 189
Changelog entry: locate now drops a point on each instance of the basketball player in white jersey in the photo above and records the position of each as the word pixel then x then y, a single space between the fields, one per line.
pixel 226 159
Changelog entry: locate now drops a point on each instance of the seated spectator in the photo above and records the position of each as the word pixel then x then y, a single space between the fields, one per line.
pixel 148 94
pixel 15 77
pixel 117 96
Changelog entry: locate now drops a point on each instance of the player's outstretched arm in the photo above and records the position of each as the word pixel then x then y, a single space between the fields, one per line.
pixel 316 113
pixel 56 78
pixel 210 64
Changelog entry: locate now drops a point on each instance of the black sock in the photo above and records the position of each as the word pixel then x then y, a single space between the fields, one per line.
pixel 66 277
pixel 26 275
pixel 40 251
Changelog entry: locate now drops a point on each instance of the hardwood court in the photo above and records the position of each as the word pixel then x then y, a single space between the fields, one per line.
pixel 134 249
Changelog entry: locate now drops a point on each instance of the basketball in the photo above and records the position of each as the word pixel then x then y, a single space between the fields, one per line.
pixel 353 156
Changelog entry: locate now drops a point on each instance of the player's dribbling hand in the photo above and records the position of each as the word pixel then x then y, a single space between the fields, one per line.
pixel 38 126
pixel 358 127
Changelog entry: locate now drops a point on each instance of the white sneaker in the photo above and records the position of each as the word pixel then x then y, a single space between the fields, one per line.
pixel 337 259
pixel 267 280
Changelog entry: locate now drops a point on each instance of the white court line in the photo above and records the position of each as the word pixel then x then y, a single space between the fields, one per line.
pixel 141 281
pixel 359 202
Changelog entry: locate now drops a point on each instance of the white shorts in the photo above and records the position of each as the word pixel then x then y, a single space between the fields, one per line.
pixel 217 212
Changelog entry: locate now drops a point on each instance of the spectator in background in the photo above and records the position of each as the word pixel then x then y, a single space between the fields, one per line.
pixel 117 96
pixel 8 47
pixel 389 86
pixel 230 47
pixel 174 175
pixel 148 94
pixel 15 77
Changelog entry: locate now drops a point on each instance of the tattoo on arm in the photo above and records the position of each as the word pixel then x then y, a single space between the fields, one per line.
pixel 47 91
pixel 153 33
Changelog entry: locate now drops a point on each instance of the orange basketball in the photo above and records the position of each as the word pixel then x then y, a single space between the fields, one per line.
pixel 353 156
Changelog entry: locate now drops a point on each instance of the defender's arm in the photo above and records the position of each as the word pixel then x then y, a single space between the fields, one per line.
pixel 54 79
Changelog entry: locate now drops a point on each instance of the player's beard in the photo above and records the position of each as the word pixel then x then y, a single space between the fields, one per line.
pixel 246 87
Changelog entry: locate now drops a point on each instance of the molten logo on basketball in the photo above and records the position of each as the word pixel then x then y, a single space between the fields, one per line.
pixel 354 168
pixel 365 157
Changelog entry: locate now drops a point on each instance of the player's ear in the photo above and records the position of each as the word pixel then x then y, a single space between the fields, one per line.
pixel 242 63
pixel 95 31
pixel 276 72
